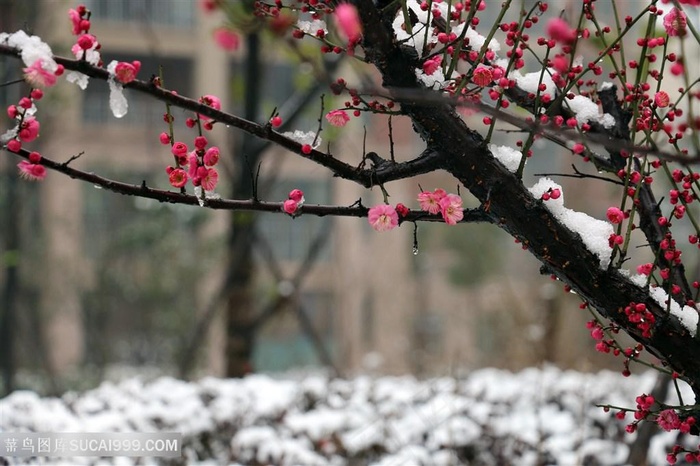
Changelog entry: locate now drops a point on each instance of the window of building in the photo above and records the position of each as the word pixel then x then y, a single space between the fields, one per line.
pixel 143 110
pixel 168 12
pixel 279 82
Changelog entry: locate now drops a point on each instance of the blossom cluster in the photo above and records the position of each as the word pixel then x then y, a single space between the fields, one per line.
pixel 293 204
pixel 196 166
pixel 384 217
pixel 41 72
pixel 439 201
pixel 199 163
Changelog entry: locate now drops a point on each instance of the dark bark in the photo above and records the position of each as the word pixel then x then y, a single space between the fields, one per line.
pixel 240 304
pixel 11 236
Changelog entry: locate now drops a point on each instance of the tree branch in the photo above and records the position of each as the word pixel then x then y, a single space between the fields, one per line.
pixel 366 178
pixel 172 197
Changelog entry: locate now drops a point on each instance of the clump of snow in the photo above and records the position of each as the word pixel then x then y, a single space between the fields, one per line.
pixel 77 78
pixel 304 137
pixel 32 48
pixel 586 110
pixel 509 157
pixel 432 81
pixel 594 233
pixel 312 27
pixel 687 315
pixel 9 134
pixel 117 101
pixel 484 418
pixel 529 82
pixel 417 37
pixel 92 56
pixel 605 86
pixel 476 40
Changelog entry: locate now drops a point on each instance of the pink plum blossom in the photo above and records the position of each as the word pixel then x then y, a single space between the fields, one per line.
pixel 227 39
pixel 179 148
pixel 86 41
pixel 29 130
pixel 483 76
pixel 677 68
pixel 31 171
pixel 126 72
pixel 338 117
pixel 430 201
pixel 668 420
pixel 210 178
pixel 200 142
pixel 212 101
pixel 178 177
pixel 75 20
pixel 559 30
pixel 297 195
pixel 402 210
pixel 211 156
pixel 37 76
pixel 13 145
pixel 192 164
pixel 675 23
pixel 451 209
pixel 431 65
pixel 290 206
pixel 348 21
pixel 662 99
pixel 383 217
pixel 615 215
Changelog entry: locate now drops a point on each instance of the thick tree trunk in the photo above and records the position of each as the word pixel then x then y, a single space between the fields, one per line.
pixel 240 308
pixel 11 234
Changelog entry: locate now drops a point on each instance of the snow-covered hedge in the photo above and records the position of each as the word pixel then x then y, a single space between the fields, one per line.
pixel 538 416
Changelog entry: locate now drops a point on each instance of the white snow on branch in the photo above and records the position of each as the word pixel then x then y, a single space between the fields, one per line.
pixel 304 137
pixel 312 27
pixel 476 40
pixel 586 110
pixel 92 56
pixel 117 101
pixel 9 134
pixel 432 81
pixel 687 315
pixel 32 48
pixel 77 78
pixel 417 38
pixel 594 233
pixel 509 157
pixel 530 82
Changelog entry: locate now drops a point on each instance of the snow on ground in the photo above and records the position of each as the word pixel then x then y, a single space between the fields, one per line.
pixel 537 416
